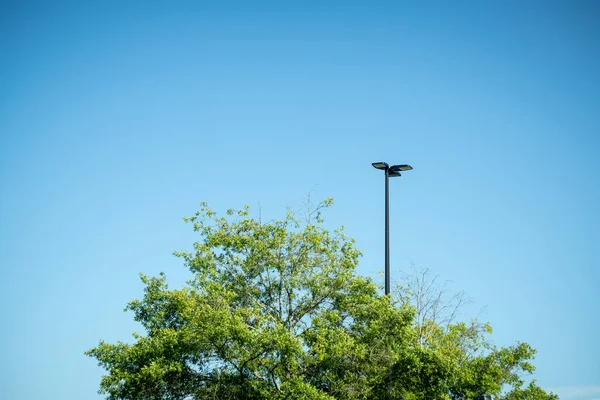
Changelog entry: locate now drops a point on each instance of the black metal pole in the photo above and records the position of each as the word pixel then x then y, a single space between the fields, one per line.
pixel 387 233
pixel 395 171
pixel 387 257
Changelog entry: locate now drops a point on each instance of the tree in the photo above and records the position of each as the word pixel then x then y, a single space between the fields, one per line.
pixel 474 365
pixel 276 310
pixel 430 301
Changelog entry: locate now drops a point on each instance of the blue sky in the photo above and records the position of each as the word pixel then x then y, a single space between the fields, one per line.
pixel 116 121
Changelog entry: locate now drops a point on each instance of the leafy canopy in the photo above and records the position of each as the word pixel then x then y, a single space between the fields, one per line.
pixel 276 310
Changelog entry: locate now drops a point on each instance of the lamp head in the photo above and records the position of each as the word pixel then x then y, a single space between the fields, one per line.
pixel 380 165
pixel 402 167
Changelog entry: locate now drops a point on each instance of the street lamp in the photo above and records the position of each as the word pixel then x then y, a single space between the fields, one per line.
pixel 390 172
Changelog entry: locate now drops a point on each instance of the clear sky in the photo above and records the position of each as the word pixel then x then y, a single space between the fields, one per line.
pixel 116 121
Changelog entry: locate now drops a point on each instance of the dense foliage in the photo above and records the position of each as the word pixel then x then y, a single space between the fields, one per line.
pixel 275 310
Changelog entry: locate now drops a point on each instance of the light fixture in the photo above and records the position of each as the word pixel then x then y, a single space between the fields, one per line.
pixel 380 165
pixel 402 167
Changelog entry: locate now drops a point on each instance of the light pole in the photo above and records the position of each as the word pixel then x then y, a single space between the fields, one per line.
pixel 390 172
